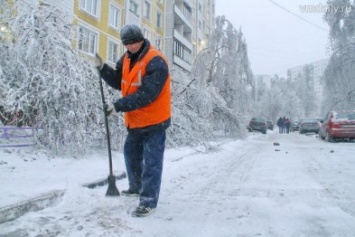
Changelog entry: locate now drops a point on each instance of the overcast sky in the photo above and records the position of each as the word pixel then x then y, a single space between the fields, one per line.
pixel 280 34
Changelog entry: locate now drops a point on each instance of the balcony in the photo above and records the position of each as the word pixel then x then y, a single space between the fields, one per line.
pixel 182 32
pixel 180 37
pixel 184 16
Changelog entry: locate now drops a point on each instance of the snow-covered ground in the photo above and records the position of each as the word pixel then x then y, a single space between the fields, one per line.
pixel 303 187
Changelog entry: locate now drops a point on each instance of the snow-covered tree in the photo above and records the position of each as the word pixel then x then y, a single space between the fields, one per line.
pixel 188 127
pixel 50 86
pixel 306 91
pixel 338 79
pixel 216 95
pixel 2 97
pixel 6 14
pixel 280 99
pixel 223 74
pixel 292 105
pixel 270 103
pixel 232 74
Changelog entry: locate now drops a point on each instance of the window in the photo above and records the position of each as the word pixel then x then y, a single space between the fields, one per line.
pixel 182 52
pixel 114 17
pixel 147 10
pixel 133 7
pixel 157 42
pixel 90 6
pixel 113 51
pixel 87 41
pixel 146 33
pixel 187 11
pixel 159 20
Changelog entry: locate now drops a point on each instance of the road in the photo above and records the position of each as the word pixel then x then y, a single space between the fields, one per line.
pixel 301 186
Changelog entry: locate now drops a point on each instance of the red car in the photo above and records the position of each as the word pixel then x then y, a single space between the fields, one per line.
pixel 338 125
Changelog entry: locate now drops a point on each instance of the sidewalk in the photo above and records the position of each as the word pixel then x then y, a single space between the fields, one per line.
pixel 11 212
pixel 30 181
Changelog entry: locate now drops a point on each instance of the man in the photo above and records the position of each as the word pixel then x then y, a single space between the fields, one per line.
pixel 142 76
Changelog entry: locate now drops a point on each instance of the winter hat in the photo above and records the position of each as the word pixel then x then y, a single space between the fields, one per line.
pixel 131 34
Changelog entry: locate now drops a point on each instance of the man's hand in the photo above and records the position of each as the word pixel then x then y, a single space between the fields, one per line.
pixel 98 62
pixel 108 109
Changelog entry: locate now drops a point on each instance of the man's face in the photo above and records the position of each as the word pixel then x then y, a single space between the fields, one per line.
pixel 134 48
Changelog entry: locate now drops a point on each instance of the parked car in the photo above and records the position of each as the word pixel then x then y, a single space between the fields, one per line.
pixel 338 125
pixel 309 125
pixel 257 124
pixel 270 125
pixel 295 126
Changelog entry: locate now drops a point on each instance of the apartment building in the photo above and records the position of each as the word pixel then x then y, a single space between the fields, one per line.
pixel 317 70
pixel 179 28
pixel 189 25
pixel 99 23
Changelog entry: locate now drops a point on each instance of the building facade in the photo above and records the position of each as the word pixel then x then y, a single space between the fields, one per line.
pixel 179 28
pixel 317 69
pixel 189 25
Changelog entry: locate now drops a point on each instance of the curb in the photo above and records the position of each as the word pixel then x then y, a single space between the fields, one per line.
pixel 14 211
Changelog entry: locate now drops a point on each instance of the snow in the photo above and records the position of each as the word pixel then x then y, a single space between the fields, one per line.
pixel 303 187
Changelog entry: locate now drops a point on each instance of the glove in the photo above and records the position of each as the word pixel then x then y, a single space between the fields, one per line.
pixel 108 109
pixel 98 62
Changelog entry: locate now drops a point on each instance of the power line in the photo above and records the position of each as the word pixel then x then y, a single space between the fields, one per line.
pixel 294 14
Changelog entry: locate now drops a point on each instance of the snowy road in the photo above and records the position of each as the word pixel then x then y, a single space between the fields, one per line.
pixel 303 187
pixel 300 188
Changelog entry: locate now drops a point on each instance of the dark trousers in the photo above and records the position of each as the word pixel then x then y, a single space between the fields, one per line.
pixel 144 154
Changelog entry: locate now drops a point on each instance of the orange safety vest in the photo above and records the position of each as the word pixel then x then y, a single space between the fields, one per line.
pixel 154 113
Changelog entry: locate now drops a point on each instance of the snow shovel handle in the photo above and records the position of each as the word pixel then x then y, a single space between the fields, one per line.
pixel 106 125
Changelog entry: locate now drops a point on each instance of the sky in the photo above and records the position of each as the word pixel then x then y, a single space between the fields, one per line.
pixel 280 34
pixel 302 187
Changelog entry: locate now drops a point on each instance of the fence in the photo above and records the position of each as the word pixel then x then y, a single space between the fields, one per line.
pixel 12 136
